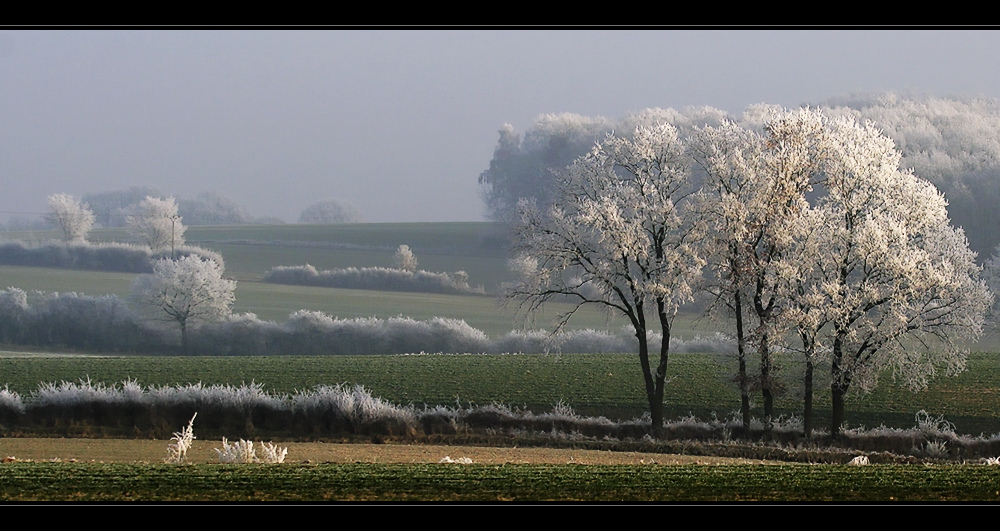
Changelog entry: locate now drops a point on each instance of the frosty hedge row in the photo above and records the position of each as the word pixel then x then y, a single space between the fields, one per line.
pixel 106 323
pixel 118 257
pixel 373 278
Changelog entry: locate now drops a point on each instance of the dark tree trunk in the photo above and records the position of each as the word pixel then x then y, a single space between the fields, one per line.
pixel 655 405
pixel 837 393
pixel 765 383
pixel 184 337
pixel 742 374
pixel 807 401
pixel 838 386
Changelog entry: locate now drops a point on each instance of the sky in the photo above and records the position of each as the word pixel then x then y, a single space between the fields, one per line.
pixel 397 123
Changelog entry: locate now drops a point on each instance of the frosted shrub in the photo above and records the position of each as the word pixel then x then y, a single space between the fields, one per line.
pixel 10 400
pixel 177 451
pixel 241 452
pixel 272 453
pixel 460 460
pixel 936 449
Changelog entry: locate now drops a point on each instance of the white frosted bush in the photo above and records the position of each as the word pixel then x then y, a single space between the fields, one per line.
pixel 272 454
pixel 241 452
pixel 177 451
pixel 11 400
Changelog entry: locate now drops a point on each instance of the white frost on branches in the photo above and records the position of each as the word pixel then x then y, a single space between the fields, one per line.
pixel 616 236
pixel 243 452
pixel 73 218
pixel 404 259
pixel 185 291
pixel 177 451
pixel 154 223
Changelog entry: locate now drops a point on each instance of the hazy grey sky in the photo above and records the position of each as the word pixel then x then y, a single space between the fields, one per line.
pixel 398 123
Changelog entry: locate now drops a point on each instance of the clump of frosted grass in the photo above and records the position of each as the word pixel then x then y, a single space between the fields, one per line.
pixel 243 452
pixel 272 453
pixel 11 400
pixel 460 460
pixel 354 403
pixel 177 451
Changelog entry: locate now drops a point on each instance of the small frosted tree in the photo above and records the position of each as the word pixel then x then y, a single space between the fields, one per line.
pixel 185 291
pixel 404 259
pixel 154 222
pixel 617 236
pixel 73 218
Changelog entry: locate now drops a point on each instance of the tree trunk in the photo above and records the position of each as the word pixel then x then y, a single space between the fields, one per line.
pixel 655 405
pixel 807 405
pixel 184 337
pixel 837 393
pixel 809 348
pixel 838 386
pixel 742 373
pixel 765 383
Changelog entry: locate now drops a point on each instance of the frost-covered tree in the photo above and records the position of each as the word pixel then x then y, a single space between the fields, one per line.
pixel 902 287
pixel 110 208
pixel 185 291
pixel 754 194
pixel 952 142
pixel 154 222
pixel 616 236
pixel 211 208
pixel 526 167
pixel 327 212
pixel 73 218
pixel 404 259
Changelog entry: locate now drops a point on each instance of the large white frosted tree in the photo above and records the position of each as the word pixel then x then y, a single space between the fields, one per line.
pixel 73 218
pixel 154 223
pixel 754 194
pixel 185 291
pixel 617 236
pixel 898 284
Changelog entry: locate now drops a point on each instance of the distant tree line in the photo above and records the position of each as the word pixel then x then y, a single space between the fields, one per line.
pixel 952 142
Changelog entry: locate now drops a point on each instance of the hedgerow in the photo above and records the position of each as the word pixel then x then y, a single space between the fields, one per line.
pixel 108 324
pixel 374 278
pixel 345 411
pixel 116 257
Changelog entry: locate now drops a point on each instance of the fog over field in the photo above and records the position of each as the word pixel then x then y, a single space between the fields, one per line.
pixel 396 125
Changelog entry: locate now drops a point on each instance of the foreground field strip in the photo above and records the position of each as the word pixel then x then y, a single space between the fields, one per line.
pixel 495 482
pixel 202 452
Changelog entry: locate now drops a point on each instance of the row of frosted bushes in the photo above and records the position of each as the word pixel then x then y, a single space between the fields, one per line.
pixel 335 411
pixel 118 257
pixel 374 278
pixel 108 324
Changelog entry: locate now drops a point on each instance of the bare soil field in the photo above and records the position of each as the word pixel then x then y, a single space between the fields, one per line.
pixel 154 451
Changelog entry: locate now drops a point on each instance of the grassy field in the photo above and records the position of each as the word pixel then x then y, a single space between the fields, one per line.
pixel 359 482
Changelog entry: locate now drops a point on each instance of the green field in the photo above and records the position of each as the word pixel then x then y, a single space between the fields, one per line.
pixel 435 482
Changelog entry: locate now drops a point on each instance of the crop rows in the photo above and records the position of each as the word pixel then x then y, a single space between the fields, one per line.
pixel 451 482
